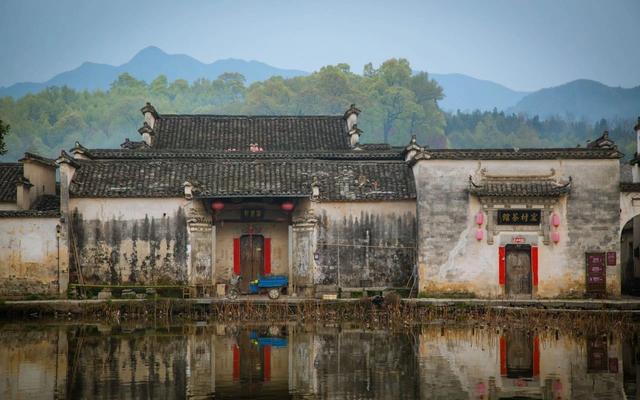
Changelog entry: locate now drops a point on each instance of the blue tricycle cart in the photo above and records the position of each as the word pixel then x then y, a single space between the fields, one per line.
pixel 273 285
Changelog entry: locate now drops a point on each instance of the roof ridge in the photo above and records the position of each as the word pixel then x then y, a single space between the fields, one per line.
pixel 252 116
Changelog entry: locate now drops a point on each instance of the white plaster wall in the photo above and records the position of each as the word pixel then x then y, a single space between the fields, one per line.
pixel 452 260
pixel 28 256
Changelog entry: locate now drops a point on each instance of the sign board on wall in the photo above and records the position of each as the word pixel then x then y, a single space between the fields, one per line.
pixel 519 217
pixel 611 258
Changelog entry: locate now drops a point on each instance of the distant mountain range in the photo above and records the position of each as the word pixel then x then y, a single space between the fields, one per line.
pixel 465 93
pixel 147 65
pixel 580 99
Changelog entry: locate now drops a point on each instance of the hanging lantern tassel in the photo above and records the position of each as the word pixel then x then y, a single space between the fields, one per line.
pixel 555 236
pixel 479 234
pixel 479 218
pixel 555 220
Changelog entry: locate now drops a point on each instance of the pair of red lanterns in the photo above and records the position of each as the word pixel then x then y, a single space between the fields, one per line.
pixel 287 206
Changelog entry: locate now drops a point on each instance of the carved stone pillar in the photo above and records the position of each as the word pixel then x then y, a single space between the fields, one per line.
pixel 304 236
pixel 201 235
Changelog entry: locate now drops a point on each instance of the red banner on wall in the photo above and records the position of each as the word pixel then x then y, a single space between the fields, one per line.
pixel 236 256
pixel 267 256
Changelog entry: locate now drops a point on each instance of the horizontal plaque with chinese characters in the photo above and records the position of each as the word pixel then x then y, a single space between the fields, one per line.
pixel 519 217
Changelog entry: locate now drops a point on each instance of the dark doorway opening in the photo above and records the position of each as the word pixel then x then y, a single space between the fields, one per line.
pixel 518 270
pixel 251 259
pixel 630 257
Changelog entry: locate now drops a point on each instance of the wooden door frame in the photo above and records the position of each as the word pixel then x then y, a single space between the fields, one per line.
pixel 251 237
pixel 532 273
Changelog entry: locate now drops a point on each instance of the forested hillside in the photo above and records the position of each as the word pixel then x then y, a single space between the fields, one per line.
pixel 396 104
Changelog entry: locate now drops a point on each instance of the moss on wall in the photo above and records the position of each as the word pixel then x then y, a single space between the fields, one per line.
pixel 140 251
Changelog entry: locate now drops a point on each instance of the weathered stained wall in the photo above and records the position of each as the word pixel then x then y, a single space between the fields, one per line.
pixel 29 257
pixel 139 241
pixel 452 260
pixel 364 243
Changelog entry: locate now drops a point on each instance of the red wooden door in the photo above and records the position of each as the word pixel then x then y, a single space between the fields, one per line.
pixel 518 270
pixel 251 259
pixel 596 274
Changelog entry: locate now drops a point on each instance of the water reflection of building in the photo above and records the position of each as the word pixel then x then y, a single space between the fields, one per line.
pixel 32 362
pixel 313 362
pixel 518 364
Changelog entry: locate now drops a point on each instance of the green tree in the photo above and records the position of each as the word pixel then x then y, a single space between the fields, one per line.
pixel 4 130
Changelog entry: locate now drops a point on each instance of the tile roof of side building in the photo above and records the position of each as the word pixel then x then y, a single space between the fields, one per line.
pixel 272 133
pixel 9 175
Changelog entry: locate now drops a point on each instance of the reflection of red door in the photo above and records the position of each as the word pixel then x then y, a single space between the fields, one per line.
pixel 596 274
pixel 597 358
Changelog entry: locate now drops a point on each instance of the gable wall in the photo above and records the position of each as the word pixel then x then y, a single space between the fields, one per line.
pixel 450 258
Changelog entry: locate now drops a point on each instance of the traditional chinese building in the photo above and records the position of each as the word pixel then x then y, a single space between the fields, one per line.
pixel 202 198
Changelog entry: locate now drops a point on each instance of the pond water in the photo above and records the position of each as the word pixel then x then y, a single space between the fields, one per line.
pixel 342 361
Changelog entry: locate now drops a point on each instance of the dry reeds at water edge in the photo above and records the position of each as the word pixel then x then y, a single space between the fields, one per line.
pixel 388 312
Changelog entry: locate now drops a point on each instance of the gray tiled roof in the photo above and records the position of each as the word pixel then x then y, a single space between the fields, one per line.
pixel 520 189
pixel 337 179
pixel 629 187
pixel 46 202
pixel 45 206
pixel 9 174
pixel 30 214
pixel 272 133
pixel 518 154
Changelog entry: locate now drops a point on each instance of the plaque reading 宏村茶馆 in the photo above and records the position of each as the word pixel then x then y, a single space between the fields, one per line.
pixel 519 217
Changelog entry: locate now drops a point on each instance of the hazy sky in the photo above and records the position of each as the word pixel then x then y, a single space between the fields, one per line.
pixel 523 44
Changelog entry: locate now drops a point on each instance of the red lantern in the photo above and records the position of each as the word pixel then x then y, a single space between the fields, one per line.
pixel 555 220
pixel 480 218
pixel 287 206
pixel 479 234
pixel 217 205
pixel 555 236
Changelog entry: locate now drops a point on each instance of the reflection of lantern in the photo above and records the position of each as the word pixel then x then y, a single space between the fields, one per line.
pixel 479 234
pixel 480 218
pixel 555 220
pixel 217 205
pixel 555 236
pixel 287 206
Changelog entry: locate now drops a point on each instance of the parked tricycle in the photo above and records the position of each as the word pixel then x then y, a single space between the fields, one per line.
pixel 273 285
